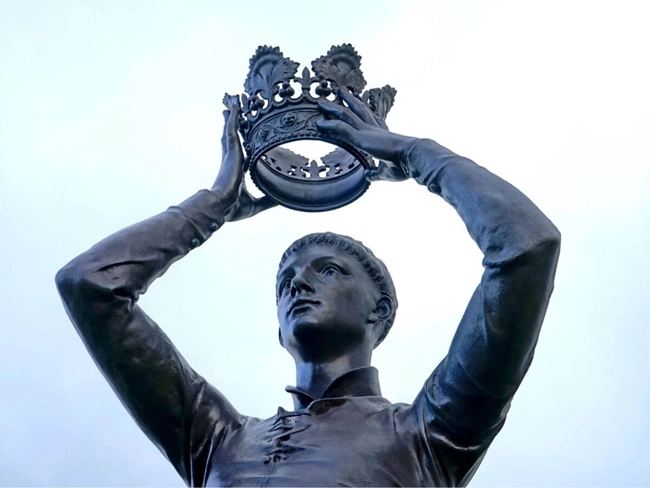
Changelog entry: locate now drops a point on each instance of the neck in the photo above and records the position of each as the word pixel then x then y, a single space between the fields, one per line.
pixel 314 377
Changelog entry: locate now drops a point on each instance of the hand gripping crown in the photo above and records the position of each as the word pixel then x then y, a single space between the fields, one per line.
pixel 280 107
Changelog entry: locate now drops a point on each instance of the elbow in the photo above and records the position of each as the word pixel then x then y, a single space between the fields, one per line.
pixel 75 280
pixel 70 280
pixel 550 243
pixel 83 279
pixel 65 279
pixel 83 294
pixel 540 240
pixel 544 252
pixel 536 245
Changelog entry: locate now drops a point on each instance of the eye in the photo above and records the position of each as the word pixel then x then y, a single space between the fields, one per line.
pixel 330 270
pixel 285 284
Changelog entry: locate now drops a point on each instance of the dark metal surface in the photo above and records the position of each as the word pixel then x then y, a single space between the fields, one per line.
pixel 335 303
pixel 280 107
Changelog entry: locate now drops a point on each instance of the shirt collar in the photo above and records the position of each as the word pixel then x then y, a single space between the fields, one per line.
pixel 355 383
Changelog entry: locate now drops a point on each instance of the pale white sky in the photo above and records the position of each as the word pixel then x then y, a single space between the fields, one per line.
pixel 111 111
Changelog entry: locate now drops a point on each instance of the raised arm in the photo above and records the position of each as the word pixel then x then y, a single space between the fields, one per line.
pixel 469 394
pixel 175 407
pixel 464 402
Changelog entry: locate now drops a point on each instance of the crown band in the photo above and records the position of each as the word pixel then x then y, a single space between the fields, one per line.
pixel 290 125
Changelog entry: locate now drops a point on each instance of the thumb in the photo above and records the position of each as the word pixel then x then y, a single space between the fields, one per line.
pixel 373 174
pixel 265 203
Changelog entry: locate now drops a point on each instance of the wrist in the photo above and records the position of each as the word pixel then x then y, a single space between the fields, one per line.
pixel 404 146
pixel 226 197
pixel 225 200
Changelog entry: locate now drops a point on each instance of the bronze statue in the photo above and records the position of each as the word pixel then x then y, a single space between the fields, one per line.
pixel 336 303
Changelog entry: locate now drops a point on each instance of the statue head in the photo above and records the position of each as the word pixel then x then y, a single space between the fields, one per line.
pixel 333 293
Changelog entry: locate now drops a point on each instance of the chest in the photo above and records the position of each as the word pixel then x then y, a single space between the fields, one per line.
pixel 343 445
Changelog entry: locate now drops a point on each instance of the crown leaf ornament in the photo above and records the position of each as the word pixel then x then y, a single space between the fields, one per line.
pixel 342 67
pixel 267 69
pixel 280 107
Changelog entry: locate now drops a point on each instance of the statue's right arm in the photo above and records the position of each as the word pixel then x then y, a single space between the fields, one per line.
pixel 178 410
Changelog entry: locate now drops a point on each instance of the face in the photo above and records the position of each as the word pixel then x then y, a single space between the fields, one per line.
pixel 325 301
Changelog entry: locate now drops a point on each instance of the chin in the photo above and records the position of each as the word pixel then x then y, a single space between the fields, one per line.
pixel 308 332
pixel 305 327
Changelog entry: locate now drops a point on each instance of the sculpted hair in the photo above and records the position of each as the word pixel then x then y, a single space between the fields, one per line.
pixel 374 266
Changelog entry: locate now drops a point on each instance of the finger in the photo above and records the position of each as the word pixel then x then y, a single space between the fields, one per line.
pixel 337 127
pixel 380 122
pixel 232 114
pixel 232 120
pixel 235 111
pixel 226 116
pixel 230 140
pixel 229 136
pixel 255 206
pixel 264 203
pixel 384 171
pixel 231 101
pixel 380 172
pixel 359 108
pixel 340 112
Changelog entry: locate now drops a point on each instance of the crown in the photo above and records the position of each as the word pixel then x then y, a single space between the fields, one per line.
pixel 280 107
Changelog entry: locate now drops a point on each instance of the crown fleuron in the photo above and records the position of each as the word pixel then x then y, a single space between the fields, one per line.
pixel 280 107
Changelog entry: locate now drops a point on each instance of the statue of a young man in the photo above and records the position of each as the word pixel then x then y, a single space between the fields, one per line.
pixel 336 302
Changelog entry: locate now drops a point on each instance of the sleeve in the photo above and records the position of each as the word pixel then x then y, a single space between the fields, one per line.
pixel 464 403
pixel 174 406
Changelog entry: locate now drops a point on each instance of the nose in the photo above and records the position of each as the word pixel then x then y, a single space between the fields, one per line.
pixel 300 284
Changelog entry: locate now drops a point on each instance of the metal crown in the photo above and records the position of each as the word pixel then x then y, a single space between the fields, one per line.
pixel 280 107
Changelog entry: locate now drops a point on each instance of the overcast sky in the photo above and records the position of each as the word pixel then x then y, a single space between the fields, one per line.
pixel 111 111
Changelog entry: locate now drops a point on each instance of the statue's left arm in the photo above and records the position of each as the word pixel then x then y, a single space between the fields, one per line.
pixel 464 402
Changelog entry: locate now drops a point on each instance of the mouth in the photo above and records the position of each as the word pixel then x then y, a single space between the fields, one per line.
pixel 302 304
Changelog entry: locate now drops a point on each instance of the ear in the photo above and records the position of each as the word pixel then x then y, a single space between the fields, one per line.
pixel 384 309
pixel 280 337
